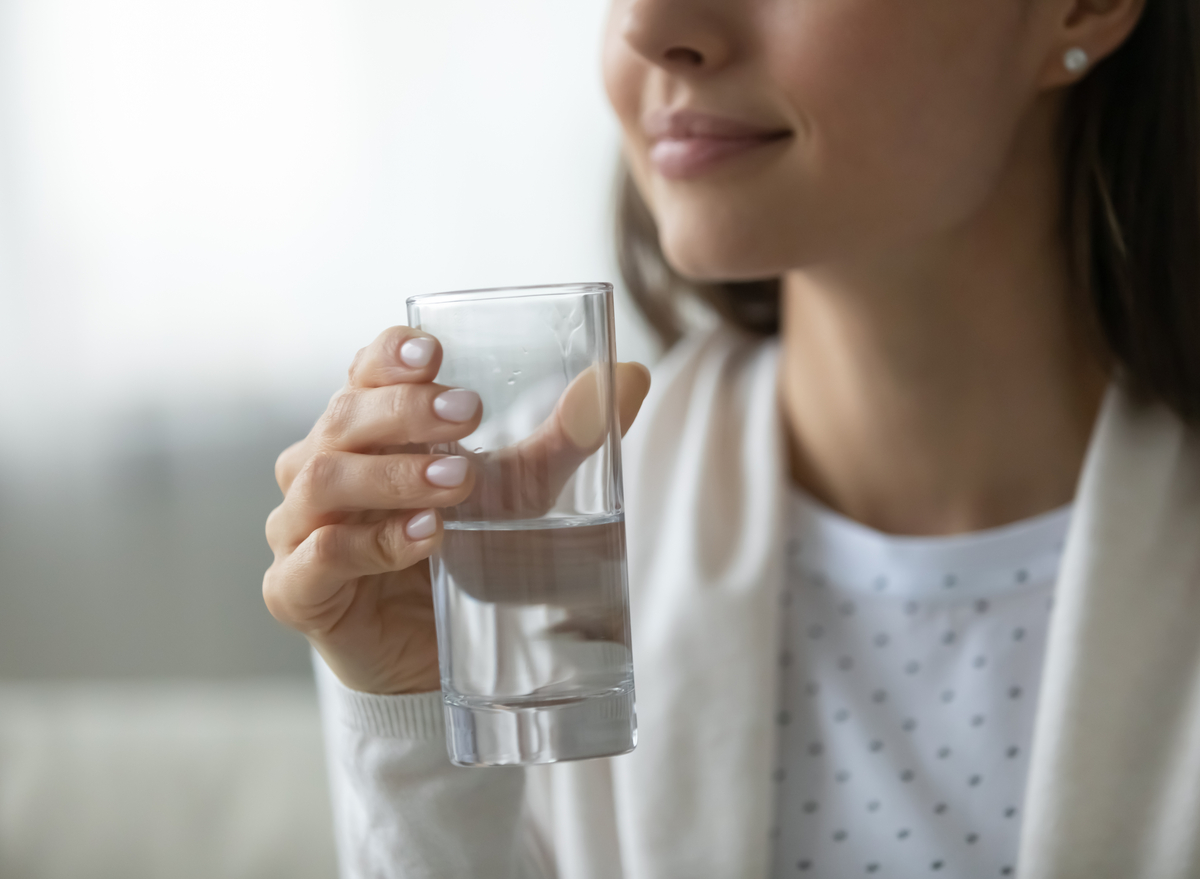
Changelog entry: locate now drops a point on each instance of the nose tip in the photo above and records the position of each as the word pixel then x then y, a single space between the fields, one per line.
pixel 676 35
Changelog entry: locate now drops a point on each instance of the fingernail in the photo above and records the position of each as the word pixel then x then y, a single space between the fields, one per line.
pixel 422 525
pixel 417 352
pixel 447 472
pixel 456 405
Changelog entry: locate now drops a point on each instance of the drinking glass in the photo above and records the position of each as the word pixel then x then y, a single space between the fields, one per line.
pixel 530 585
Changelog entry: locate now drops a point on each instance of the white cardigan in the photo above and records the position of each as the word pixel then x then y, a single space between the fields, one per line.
pixel 1114 786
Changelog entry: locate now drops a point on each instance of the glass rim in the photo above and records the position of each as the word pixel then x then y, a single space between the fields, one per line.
pixel 518 292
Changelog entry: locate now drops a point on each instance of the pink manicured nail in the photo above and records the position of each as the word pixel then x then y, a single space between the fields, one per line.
pixel 421 525
pixel 456 405
pixel 447 472
pixel 417 352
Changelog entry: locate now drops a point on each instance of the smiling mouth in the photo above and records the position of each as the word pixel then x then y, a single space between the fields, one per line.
pixel 682 158
pixel 687 143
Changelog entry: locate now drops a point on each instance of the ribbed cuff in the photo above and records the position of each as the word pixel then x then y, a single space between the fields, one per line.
pixel 415 716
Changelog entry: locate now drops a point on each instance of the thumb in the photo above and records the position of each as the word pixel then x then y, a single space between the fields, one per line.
pixel 633 384
pixel 582 418
pixel 525 479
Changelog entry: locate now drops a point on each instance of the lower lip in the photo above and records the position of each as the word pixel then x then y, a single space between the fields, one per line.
pixel 680 159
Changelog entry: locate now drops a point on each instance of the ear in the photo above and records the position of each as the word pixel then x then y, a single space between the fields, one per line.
pixel 1098 27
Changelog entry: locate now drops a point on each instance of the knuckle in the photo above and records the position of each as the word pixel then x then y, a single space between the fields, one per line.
pixel 399 404
pixel 283 531
pixel 319 474
pixel 355 369
pixel 273 529
pixel 282 469
pixel 285 467
pixel 396 337
pixel 275 596
pixel 396 406
pixel 397 475
pixel 390 545
pixel 327 547
pixel 341 413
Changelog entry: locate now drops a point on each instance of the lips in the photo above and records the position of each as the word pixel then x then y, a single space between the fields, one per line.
pixel 688 144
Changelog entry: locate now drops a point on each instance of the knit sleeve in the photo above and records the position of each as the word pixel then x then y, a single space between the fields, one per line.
pixel 402 810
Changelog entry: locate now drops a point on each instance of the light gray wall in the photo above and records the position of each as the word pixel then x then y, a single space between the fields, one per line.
pixel 147 560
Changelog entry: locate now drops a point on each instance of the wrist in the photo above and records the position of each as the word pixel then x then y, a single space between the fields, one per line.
pixel 354 678
pixel 416 716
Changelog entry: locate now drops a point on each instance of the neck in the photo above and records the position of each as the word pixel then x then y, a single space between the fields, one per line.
pixel 950 388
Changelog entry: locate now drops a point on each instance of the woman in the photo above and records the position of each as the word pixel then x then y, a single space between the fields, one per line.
pixel 915 534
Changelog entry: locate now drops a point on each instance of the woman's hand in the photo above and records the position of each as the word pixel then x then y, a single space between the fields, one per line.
pixel 359 517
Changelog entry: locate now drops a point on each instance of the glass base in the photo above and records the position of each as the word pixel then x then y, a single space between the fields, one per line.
pixel 496 734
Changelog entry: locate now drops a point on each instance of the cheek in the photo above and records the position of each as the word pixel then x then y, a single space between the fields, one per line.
pixel 624 74
pixel 907 109
pixel 627 79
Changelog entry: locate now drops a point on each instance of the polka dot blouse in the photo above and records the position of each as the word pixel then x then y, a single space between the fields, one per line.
pixel 909 678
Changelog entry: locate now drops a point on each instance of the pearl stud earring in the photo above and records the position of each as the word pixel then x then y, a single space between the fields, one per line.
pixel 1075 60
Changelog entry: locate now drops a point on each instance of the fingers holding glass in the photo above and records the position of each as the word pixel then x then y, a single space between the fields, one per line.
pixel 311 588
pixel 398 355
pixel 335 483
pixel 365 419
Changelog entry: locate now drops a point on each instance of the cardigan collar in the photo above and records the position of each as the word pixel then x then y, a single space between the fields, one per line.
pixel 1114 787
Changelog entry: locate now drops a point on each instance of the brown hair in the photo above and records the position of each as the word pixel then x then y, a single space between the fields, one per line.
pixel 1130 146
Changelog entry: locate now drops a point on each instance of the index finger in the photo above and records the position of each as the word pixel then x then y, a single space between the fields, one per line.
pixel 398 355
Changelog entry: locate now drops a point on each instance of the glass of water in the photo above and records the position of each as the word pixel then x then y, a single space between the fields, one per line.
pixel 530 585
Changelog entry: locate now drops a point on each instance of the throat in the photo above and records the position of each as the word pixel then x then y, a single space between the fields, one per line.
pixel 931 426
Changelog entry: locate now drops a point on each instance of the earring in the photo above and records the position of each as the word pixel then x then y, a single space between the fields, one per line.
pixel 1075 60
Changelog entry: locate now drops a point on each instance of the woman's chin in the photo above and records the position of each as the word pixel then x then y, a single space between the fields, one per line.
pixel 716 268
pixel 725 255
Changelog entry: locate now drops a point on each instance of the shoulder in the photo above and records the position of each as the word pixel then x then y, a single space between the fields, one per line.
pixel 1144 447
pixel 1137 510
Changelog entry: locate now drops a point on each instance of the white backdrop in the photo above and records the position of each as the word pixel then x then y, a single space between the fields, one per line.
pixel 207 200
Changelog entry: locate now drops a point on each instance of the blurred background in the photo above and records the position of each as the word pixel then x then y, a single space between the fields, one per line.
pixel 206 208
